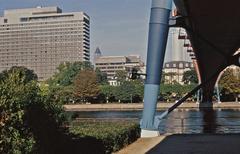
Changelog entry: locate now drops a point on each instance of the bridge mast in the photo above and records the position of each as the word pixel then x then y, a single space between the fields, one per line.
pixel 157 41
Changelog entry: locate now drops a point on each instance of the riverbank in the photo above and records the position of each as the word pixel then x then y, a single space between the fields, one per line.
pixel 139 106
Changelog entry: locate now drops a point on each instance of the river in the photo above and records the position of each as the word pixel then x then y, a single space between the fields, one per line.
pixel 180 121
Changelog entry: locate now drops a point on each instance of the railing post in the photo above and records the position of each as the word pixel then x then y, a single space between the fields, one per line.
pixel 157 40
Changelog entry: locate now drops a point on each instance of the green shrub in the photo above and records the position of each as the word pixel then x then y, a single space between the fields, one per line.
pixel 114 135
pixel 24 113
pixel 18 89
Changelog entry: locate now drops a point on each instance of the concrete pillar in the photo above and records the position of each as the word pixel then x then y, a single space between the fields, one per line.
pixel 157 40
pixel 207 94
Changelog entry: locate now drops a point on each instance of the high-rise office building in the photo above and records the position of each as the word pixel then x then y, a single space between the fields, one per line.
pixel 41 38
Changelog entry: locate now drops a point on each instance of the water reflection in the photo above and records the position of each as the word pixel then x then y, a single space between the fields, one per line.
pixel 182 121
pixel 209 121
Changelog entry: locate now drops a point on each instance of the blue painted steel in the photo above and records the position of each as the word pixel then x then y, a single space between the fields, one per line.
pixel 151 92
pixel 158 32
pixel 157 41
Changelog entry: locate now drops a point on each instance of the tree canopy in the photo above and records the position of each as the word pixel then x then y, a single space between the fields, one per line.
pixel 230 82
pixel 175 91
pixel 121 76
pixel 101 77
pixel 18 89
pixel 85 85
pixel 24 73
pixel 67 72
pixel 190 77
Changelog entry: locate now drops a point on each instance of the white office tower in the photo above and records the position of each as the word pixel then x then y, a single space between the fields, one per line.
pixel 175 47
pixel 41 38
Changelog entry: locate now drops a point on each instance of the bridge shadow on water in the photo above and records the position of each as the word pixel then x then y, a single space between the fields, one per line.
pixel 209 121
pixel 207 142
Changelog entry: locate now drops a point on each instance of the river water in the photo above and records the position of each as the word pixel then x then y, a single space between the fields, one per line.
pixel 180 121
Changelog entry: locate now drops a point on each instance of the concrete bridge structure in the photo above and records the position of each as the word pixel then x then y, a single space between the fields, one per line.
pixel 213 28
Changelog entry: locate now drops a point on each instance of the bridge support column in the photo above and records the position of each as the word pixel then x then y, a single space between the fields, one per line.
pixel 218 94
pixel 157 40
pixel 208 91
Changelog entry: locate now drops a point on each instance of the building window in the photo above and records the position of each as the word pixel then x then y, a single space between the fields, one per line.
pixel 86 20
pixel 23 19
pixel 181 65
pixel 5 20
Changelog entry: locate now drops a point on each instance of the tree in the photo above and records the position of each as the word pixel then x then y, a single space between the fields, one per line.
pixel 121 76
pixel 25 73
pixel 85 85
pixel 230 82
pixel 61 94
pixel 101 77
pixel 18 89
pixel 60 86
pixel 139 89
pixel 125 91
pixel 163 78
pixel 172 92
pixel 190 77
pixel 108 92
pixel 67 72
pixel 129 91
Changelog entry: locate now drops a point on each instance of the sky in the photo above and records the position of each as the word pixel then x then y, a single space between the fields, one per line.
pixel 118 27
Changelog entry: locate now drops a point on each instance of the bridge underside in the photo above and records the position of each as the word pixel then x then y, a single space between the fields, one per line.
pixel 214 31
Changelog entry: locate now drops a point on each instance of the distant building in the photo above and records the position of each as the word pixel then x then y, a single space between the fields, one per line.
pixel 97 54
pixel 41 38
pixel 111 64
pixel 174 71
pixel 175 46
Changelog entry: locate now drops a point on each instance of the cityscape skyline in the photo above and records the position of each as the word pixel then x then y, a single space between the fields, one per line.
pixel 118 28
pixel 106 32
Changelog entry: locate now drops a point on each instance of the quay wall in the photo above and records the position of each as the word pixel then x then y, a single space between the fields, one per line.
pixel 139 106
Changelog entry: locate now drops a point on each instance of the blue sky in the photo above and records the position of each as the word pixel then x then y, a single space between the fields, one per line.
pixel 118 27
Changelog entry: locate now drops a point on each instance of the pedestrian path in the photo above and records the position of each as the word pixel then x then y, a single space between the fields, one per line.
pixel 141 146
pixel 186 144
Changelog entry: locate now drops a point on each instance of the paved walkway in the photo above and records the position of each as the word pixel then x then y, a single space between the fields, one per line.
pixel 139 106
pixel 186 144
pixel 142 145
